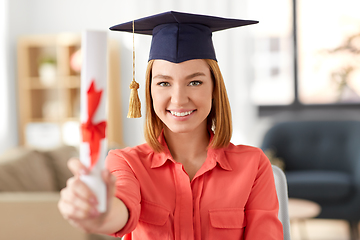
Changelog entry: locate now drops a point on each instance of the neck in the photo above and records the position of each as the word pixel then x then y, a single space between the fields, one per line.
pixel 187 147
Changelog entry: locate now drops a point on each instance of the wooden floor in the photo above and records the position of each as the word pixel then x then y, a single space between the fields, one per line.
pixel 318 229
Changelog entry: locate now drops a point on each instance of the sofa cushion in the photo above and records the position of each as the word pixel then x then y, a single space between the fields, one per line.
pixel 24 169
pixel 319 186
pixel 58 158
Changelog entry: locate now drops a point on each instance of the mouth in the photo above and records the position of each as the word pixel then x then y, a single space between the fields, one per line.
pixel 181 114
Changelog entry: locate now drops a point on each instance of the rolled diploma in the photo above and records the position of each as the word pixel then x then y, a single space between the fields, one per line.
pixel 94 68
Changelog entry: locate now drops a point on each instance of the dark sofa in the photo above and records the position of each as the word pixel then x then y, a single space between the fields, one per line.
pixel 322 164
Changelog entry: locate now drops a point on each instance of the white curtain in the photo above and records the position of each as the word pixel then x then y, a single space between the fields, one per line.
pixel 4 83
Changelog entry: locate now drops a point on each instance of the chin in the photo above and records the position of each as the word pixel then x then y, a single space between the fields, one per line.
pixel 184 129
pixel 180 130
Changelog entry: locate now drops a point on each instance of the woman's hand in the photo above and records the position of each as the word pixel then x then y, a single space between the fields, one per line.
pixel 78 204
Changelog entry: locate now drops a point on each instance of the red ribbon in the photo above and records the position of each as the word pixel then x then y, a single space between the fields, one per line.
pixel 91 132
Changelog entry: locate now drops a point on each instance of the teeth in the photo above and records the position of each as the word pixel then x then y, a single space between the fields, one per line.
pixel 182 114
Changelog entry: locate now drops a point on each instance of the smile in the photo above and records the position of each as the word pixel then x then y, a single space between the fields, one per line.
pixel 181 114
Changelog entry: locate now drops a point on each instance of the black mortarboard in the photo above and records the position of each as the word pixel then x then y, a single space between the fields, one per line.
pixel 178 37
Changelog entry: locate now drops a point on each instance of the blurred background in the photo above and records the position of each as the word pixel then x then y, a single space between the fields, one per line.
pixel 300 63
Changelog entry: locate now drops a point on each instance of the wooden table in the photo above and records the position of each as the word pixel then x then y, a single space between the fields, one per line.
pixel 300 210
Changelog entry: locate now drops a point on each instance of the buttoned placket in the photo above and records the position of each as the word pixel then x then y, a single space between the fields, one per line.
pixel 197 187
pixel 187 224
pixel 183 224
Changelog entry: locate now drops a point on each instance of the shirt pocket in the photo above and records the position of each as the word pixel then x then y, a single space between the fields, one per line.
pixel 153 222
pixel 228 223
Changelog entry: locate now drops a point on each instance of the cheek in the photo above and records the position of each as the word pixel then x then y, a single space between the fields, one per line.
pixel 158 102
pixel 156 107
pixel 207 98
pixel 154 103
pixel 210 106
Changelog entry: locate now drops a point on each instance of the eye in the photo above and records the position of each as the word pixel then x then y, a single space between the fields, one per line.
pixel 195 83
pixel 163 84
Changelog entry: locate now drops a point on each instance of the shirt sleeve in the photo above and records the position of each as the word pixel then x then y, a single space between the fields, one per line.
pixel 262 207
pixel 127 189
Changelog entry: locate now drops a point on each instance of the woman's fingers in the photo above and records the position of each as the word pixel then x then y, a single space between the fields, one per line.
pixel 74 216
pixel 78 204
pixel 77 200
pixel 76 167
pixel 81 190
pixel 109 180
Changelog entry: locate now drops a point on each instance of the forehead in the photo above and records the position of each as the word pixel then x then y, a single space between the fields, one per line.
pixel 188 67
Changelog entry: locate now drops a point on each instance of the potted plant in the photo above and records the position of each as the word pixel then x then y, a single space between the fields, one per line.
pixel 47 70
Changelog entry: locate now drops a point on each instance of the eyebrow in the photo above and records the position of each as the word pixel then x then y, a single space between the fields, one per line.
pixel 161 76
pixel 197 74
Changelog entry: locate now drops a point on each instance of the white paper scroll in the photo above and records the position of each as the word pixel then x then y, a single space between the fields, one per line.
pixel 94 70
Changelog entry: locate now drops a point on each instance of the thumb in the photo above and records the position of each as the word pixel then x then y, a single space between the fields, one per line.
pixel 109 180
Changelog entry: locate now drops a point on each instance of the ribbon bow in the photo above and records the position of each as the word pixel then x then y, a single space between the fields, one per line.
pixel 91 132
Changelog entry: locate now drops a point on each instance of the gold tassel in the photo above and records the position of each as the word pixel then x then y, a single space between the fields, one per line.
pixel 134 102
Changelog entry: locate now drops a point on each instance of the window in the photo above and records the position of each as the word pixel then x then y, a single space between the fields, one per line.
pixel 329 51
pixel 307 53
pixel 272 63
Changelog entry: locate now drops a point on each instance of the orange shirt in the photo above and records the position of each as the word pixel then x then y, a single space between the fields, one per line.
pixel 232 196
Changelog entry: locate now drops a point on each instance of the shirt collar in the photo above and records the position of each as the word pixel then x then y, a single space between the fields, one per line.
pixel 217 155
pixel 159 159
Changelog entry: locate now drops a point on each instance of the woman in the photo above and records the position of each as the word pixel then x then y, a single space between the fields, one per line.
pixel 188 181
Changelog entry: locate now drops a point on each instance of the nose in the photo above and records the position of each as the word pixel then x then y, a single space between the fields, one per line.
pixel 179 95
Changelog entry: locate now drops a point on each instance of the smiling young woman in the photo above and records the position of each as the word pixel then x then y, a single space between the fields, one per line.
pixel 188 181
pixel 182 95
pixel 220 114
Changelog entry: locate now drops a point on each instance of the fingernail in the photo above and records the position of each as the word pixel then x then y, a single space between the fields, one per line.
pixel 93 200
pixel 94 212
pixel 83 171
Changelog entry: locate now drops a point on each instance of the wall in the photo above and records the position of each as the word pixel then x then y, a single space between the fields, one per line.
pixel 8 127
pixel 233 48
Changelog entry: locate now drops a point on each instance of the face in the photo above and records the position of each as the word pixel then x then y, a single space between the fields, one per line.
pixel 182 94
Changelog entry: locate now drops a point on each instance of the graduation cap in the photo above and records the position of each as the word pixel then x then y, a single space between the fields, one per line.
pixel 178 37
